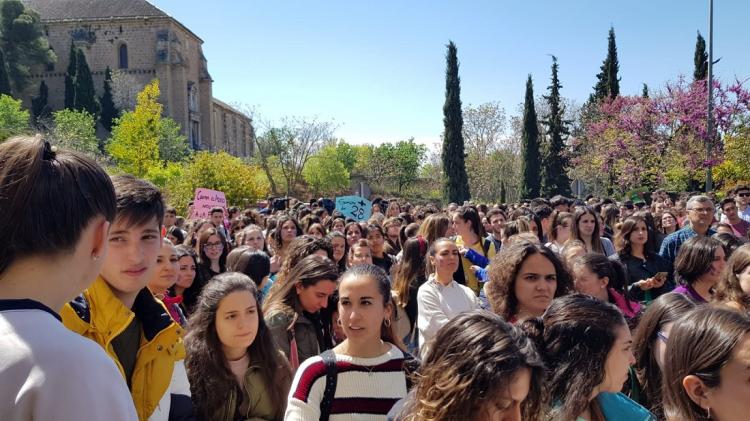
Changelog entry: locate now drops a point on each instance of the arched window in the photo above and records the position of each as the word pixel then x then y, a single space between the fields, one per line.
pixel 123 56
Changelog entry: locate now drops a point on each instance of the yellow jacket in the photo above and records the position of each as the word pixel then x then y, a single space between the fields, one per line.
pixel 98 315
pixel 469 276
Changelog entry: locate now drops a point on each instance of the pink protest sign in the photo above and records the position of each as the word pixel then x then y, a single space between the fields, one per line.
pixel 205 199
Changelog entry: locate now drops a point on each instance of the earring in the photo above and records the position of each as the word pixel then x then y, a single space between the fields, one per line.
pixel 387 322
pixel 338 322
pixel 708 413
pixel 96 257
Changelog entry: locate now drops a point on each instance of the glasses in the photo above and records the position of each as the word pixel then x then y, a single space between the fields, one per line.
pixel 213 245
pixel 743 194
pixel 662 336
pixel 702 210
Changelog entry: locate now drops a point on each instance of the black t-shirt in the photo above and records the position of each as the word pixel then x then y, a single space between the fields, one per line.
pixel 126 346
pixel 385 262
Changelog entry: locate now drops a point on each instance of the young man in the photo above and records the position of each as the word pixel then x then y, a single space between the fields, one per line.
pixel 170 217
pixel 216 216
pixel 497 219
pixel 120 314
pixel 730 216
pixel 48 256
pixel 742 196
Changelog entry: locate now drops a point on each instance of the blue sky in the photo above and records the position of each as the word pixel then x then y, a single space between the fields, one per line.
pixel 378 68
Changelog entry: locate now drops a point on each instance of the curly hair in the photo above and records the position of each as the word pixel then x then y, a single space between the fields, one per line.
pixel 479 356
pixel 574 337
pixel 210 379
pixel 503 271
pixel 728 290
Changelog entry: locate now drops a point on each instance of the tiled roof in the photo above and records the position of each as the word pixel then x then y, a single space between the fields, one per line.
pixel 54 10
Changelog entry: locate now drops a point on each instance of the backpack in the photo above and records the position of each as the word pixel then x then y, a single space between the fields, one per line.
pixel 410 365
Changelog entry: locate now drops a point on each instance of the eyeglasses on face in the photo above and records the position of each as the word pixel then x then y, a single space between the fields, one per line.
pixel 702 210
pixel 744 194
pixel 213 245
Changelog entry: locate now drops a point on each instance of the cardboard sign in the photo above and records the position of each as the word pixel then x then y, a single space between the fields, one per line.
pixel 354 207
pixel 205 199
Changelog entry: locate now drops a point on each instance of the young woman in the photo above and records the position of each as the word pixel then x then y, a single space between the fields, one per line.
pixel 393 209
pixel 165 277
pixel 368 365
pixel 441 298
pixel 287 229
pixel 733 290
pixel 409 275
pixel 484 369
pixel 316 230
pixel 196 229
pixel 188 262
pixel 56 207
pixel 559 230
pixel 610 215
pixel 524 279
pixel 706 379
pixel 698 267
pixel 435 226
pixel 359 254
pixel 585 228
pixel 338 243
pixel 252 236
pixel 572 250
pixel 470 234
pixel 338 225
pixel 604 279
pixel 255 264
pixel 353 232
pixel 213 255
pixel 587 346
pixel 376 240
pixel 666 222
pixel 301 247
pixel 234 367
pixel 649 344
pixel 292 308
pixel 641 262
pixel 175 235
pixel 392 228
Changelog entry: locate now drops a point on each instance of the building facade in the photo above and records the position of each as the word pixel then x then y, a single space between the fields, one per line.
pixel 140 43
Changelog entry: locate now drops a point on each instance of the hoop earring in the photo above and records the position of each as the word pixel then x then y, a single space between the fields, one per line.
pixel 387 322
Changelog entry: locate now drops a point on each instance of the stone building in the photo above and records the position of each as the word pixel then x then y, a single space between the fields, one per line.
pixel 140 43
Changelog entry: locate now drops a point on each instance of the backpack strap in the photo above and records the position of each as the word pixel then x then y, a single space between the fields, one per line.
pixel 486 247
pixel 329 359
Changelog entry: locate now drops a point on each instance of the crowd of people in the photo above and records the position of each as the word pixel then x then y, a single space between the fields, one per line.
pixel 113 306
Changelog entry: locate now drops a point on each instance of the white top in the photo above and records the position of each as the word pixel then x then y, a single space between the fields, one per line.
pixel 437 304
pixel 366 388
pixel 47 372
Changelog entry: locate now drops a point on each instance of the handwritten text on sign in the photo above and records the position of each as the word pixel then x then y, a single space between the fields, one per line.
pixel 354 207
pixel 205 199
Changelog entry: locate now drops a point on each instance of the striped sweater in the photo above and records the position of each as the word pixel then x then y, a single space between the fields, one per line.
pixel 366 388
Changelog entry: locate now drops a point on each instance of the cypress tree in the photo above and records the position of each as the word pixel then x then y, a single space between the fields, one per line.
pixel 503 192
pixel 85 94
pixel 613 66
pixel 456 181
pixel 555 179
pixel 4 78
pixel 530 157
pixel 39 107
pixel 645 91
pixel 700 60
pixel 109 111
pixel 70 77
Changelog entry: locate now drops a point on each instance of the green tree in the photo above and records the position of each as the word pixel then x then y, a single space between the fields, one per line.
pixel 134 144
pixel 85 93
pixel 70 77
pixel 456 181
pixel 325 173
pixel 109 110
pixel 608 81
pixel 23 42
pixel 14 120
pixel 406 157
pixel 530 158
pixel 700 59
pixel 346 154
pixel 644 93
pixel 554 162
pixel 5 88
pixel 242 184
pixel 39 107
pixel 173 145
pixel 76 130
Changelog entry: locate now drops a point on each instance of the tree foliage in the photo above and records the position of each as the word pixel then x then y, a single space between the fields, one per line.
pixel 242 184
pixel 39 107
pixel 608 80
pixel 554 157
pixel 456 181
pixel 484 133
pixel 5 88
pixel 76 130
pixel 85 94
pixel 70 77
pixel 14 120
pixel 23 42
pixel 700 59
pixel 325 173
pixel 173 145
pixel 531 156
pixel 109 110
pixel 134 144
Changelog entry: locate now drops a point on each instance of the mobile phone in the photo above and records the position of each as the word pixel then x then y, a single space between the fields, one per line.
pixel 661 275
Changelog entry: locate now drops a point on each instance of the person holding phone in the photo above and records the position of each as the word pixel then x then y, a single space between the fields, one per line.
pixel 648 274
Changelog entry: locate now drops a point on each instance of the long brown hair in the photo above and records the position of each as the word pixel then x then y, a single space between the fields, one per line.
pixel 434 227
pixel 662 311
pixel 211 381
pixel 478 356
pixel 728 290
pixel 411 266
pixel 622 239
pixel 299 248
pixel 504 269
pixel 203 260
pixel 283 298
pixel 575 233
pixel 719 331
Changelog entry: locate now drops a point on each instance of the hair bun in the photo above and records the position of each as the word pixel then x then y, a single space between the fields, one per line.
pixel 50 152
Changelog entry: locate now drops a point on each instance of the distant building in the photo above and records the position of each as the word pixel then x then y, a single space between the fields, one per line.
pixel 141 42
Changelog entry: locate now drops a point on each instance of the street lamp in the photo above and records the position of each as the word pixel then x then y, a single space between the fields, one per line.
pixel 710 81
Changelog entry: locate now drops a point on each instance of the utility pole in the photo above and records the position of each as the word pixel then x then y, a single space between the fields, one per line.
pixel 710 81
